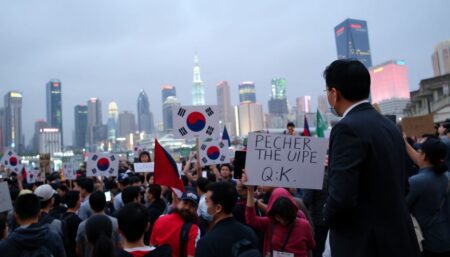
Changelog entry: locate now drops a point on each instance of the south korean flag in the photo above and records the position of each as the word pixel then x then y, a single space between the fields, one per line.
pixel 70 173
pixel 11 161
pixel 32 175
pixel 196 121
pixel 102 164
pixel 214 152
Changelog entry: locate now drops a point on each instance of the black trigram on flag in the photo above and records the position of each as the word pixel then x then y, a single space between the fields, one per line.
pixel 10 153
pixel 203 147
pixel 221 145
pixel 204 160
pixel 112 158
pixel 181 112
pixel 222 158
pixel 94 170
pixel 210 130
pixel 111 171
pixel 209 111
pixel 182 131
pixel 95 157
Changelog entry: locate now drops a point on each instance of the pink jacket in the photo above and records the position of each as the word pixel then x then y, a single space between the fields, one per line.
pixel 301 239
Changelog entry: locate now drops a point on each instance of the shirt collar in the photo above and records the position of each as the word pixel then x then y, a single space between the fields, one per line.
pixel 353 106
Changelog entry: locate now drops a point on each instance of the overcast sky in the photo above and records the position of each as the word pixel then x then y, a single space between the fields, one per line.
pixel 111 49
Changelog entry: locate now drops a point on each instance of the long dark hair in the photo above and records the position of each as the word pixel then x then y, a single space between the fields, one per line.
pixel 99 230
pixel 435 152
pixel 284 208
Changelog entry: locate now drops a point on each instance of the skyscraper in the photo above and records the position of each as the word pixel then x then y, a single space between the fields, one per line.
pixel 249 118
pixel 226 114
pixel 171 103
pixel 81 126
pixel 2 126
pixel 145 117
pixel 54 105
pixel 279 88
pixel 198 90
pixel 94 119
pixel 247 92
pixel 352 41
pixel 38 125
pixel 304 104
pixel 389 80
pixel 113 119
pixel 127 123
pixel 166 91
pixel 441 59
pixel 278 101
pixel 13 121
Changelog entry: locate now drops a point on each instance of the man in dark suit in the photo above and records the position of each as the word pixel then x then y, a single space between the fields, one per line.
pixel 365 208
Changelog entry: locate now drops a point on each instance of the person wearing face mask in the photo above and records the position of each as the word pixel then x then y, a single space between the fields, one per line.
pixel 179 229
pixel 227 237
pixel 367 176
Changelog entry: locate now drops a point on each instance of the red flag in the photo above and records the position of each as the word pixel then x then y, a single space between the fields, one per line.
pixel 306 132
pixel 166 170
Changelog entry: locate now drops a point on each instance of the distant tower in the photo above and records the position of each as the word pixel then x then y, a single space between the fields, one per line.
pixel 198 91
pixel 352 41
pixel 12 130
pixel 145 117
pixel 247 92
pixel 113 119
pixel 54 105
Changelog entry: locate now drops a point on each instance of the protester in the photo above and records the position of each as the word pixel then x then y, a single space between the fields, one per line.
pixel 202 210
pixel 97 202
pixel 182 221
pixel 156 206
pixel 227 234
pixel 225 173
pixel 144 156
pixel 86 187
pixel 45 193
pixel 31 237
pixel 290 129
pixel 124 181
pixel 239 208
pixel 129 195
pixel 133 223
pixel 3 226
pixel 283 230
pixel 99 229
pixel 70 222
pixel 428 196
pixel 365 208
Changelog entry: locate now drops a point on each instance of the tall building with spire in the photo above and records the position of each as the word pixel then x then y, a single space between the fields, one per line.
pixel 145 117
pixel 198 91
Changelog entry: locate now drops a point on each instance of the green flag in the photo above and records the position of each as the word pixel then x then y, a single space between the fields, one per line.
pixel 321 125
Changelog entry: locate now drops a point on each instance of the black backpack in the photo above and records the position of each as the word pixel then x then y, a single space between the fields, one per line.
pixel 244 248
pixel 42 251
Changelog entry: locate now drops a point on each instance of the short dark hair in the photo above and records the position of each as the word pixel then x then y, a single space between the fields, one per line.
pixel 86 184
pixel 284 208
pixel 133 221
pixel 72 198
pixel 97 201
pixel 202 183
pixel 290 124
pixel 130 193
pixel 350 77
pixel 225 194
pixel 155 190
pixel 27 206
pixel 145 153
pixel 226 165
pixel 135 179
pixel 436 152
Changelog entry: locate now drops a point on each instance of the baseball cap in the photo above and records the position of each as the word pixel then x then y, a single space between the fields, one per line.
pixel 44 192
pixel 190 196
pixel 123 178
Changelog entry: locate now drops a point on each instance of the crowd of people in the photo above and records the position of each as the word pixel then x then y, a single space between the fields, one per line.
pixel 376 184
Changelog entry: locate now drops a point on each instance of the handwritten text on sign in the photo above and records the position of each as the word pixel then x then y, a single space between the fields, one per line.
pixel 285 160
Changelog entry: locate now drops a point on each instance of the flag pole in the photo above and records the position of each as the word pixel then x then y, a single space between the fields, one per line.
pixel 197 143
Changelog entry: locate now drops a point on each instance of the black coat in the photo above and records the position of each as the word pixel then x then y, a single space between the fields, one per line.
pixel 366 208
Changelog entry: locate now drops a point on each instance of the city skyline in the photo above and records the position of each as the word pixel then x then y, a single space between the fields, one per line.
pixel 113 60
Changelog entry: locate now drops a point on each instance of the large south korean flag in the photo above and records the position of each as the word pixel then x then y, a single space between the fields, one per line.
pixel 196 121
pixel 11 161
pixel 214 152
pixel 102 164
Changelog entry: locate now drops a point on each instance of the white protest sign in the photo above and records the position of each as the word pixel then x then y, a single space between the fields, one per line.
pixel 5 197
pixel 70 173
pixel 196 121
pixel 285 160
pixel 214 152
pixel 144 166
pixel 102 164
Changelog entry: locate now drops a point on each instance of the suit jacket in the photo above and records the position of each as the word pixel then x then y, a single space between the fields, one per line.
pixel 366 208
